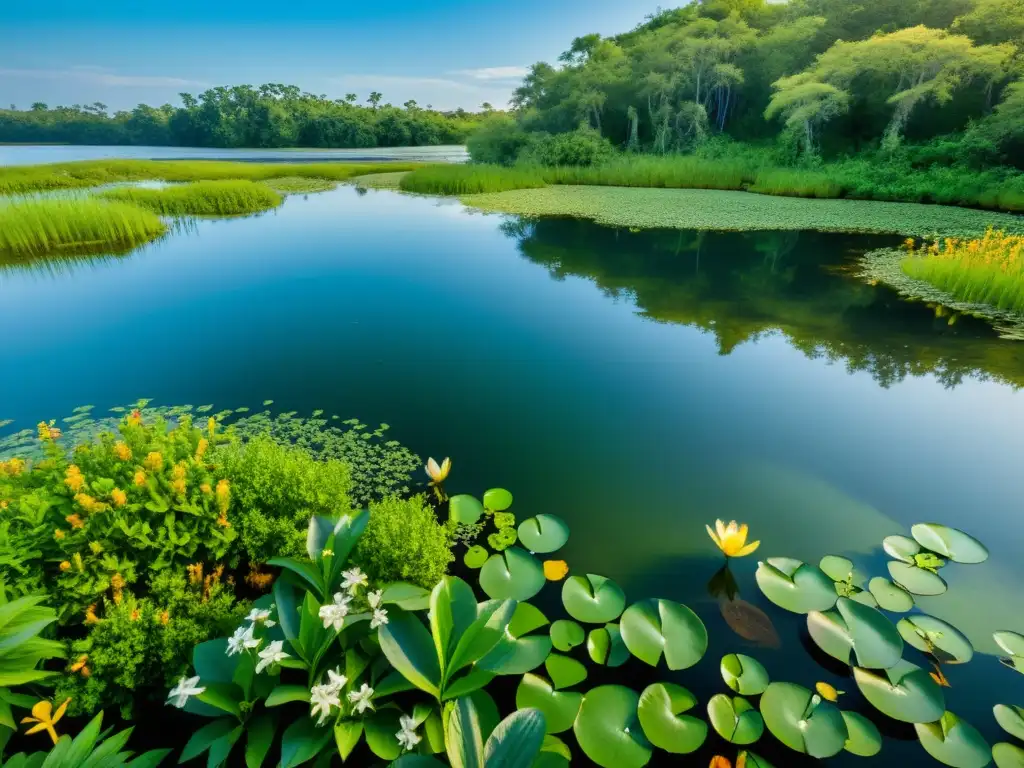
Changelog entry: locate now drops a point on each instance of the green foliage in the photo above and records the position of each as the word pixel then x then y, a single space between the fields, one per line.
pixel 405 542
pixel 469 179
pixel 276 489
pixel 298 185
pixel 582 147
pixel 91 748
pixel 498 141
pixel 200 198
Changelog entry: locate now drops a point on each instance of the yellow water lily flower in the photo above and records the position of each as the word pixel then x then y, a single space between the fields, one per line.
pixel 438 474
pixel 732 539
pixel 828 692
pixel 555 570
pixel 45 718
pixel 720 762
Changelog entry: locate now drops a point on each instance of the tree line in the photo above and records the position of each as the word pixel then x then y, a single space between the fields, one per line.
pixel 272 115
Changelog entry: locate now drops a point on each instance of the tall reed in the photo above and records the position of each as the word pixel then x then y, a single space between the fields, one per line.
pixel 200 198
pixel 469 179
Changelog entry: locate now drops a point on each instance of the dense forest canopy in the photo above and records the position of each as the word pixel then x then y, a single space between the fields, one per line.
pixel 271 115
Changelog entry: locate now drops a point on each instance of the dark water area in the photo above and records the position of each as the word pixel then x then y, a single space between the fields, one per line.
pixel 637 384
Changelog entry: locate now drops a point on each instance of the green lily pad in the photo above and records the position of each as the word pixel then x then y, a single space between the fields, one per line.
pixel 464 509
pixel 954 742
pixel 1008 755
pixel 592 599
pixel 662 715
pixel 905 692
pixel 753 760
pixel 735 719
pixel 803 721
pixel 497 499
pixel 559 707
pixel 566 634
pixel 901 548
pixel 932 635
pixel 651 628
pixel 745 675
pixel 605 646
pixel 858 630
pixel 1012 643
pixel 951 543
pixel 889 596
pixel 514 574
pixel 543 533
pixel 916 580
pixel 526 618
pixel 475 557
pixel 608 731
pixel 861 596
pixel 565 672
pixel 1010 719
pixel 863 740
pixel 795 586
pixel 837 568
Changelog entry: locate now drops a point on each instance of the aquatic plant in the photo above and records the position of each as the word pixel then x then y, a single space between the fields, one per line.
pixel 732 539
pixel 200 198
pixel 468 179
pixel 300 185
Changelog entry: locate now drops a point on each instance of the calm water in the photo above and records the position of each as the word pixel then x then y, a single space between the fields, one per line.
pixel 637 384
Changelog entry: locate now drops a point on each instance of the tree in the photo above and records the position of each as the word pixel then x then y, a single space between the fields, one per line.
pixel 994 21
pixel 37 106
pixel 375 99
pixel 806 104
pixel 351 98
pixel 486 107
pixel 580 49
pixel 411 105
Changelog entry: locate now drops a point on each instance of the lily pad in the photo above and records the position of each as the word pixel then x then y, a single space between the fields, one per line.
pixel 901 548
pixel 465 509
pixel 905 692
pixel 752 760
pixel 735 719
pixel 795 586
pixel 889 596
pixel 932 635
pixel 592 599
pixel 514 574
pixel 803 721
pixel 651 628
pixel 566 634
pixel 608 731
pixel 543 533
pixel 605 646
pixel 951 543
pixel 559 707
pixel 863 740
pixel 475 557
pixel 916 580
pixel 526 618
pixel 856 634
pixel 1010 719
pixel 497 499
pixel 837 568
pixel 564 671
pixel 1012 643
pixel 745 675
pixel 519 652
pixel 1008 755
pixel 954 742
pixel 662 715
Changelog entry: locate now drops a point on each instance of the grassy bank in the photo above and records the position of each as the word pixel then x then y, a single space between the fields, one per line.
pixel 470 179
pixel 36 227
pixel 299 185
pixel 200 198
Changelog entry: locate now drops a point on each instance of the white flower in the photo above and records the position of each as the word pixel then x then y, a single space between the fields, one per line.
pixel 272 654
pixel 335 680
pixel 242 639
pixel 186 688
pixel 374 598
pixel 380 616
pixel 407 736
pixel 353 579
pixel 333 614
pixel 256 616
pixel 360 699
pixel 323 698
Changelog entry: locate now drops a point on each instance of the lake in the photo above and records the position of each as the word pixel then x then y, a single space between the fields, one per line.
pixel 637 384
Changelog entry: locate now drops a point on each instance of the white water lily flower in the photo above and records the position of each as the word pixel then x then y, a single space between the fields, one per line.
pixel 272 654
pixel 374 598
pixel 353 579
pixel 323 698
pixel 437 473
pixel 360 699
pixel 407 737
pixel 380 616
pixel 184 690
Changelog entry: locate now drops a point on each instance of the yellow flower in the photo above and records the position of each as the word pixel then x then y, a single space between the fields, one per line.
pixel 79 666
pixel 59 534
pixel 45 718
pixel 12 468
pixel 65 566
pixel 74 479
pixel 205 488
pixel 211 425
pixel 124 453
pixel 4 504
pixel 135 614
pixel 165 618
pixel 120 497
pixel 223 497
pixel 140 478
pixel 732 539
pixel 179 486
pixel 154 461
pixel 89 504
pixel 44 430
pixel 555 570
pixel 90 615
pixel 201 449
pixel 827 692
pixel 75 521
pixel 438 474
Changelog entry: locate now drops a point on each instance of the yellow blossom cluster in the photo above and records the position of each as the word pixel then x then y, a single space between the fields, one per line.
pixel 48 431
pixel 996 250
pixel 12 467
pixel 89 504
pixel 223 502
pixel 140 478
pixel 123 452
pixel 154 461
pixel 74 479
pixel 119 497
pixel 178 478
pixel 201 449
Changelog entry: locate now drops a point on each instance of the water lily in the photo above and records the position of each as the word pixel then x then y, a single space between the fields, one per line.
pixel 272 654
pixel 828 692
pixel 184 690
pixel 352 579
pixel 438 474
pixel 732 539
pixel 374 598
pixel 360 699
pixel 380 617
pixel 45 718
pixel 323 698
pixel 407 737
pixel 555 570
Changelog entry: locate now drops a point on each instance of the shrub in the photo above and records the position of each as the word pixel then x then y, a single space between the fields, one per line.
pixel 404 542
pixel 582 147
pixel 498 141
pixel 276 489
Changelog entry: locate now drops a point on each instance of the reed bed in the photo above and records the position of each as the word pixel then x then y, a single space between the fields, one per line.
pixel 300 185
pixel 200 198
pixel 669 171
pixel 469 179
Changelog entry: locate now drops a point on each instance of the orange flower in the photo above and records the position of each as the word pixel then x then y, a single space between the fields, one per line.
pixel 120 497
pixel 195 574
pixel 76 521
pixel 135 614
pixel 223 521
pixel 74 479
pixel 257 579
pixel 117 585
pixel 135 418
pixel 79 666
pixel 65 566
pixel 555 570
pixel 720 762
pixel 154 461
pixel 124 453
pixel 59 534
pixel 140 478
pixel 165 618
pixel 90 615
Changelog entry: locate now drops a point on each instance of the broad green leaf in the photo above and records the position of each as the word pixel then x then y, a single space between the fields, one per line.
pixel 916 580
pixel 593 599
pixel 735 719
pixel 662 714
pixel 516 741
pixel 475 557
pixel 410 597
pixel 410 649
pixel 856 634
pixel 201 740
pixel 931 635
pixel 1010 719
pixel 608 731
pixel 803 721
pixel 951 543
pixel 260 735
pixel 466 683
pixel 380 729
pixel 543 533
pixel 905 692
pixel 453 610
pixel 605 646
pixel 559 707
pixel 221 748
pixel 863 740
pixel 526 619
pixel 1008 755
pixel 464 509
pixel 285 694
pixel 347 734
pixel 497 499
pixel 212 663
pixel 652 628
pixel 463 740
pixel 954 742
pixel 795 586
pixel 487 630
pixel 889 596
pixel 306 573
pixel 302 741
pixel 566 635
pixel 745 675
pixel 512 574
pixel 564 671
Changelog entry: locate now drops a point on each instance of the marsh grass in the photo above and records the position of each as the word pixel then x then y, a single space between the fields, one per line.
pixel 469 179
pixel 200 198
pixel 669 171
pixel 300 185
pixel 30 228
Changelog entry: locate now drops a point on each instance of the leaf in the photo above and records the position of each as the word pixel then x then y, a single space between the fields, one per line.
pixel 564 671
pixel 607 728
pixel 735 719
pixel 480 637
pixel 559 707
pixel 803 721
pixel 795 586
pixel 467 683
pixel 463 740
pixel 605 646
pixel 410 597
pixel 593 599
pixel 201 740
pixel 212 663
pixel 526 619
pixel 224 696
pixel 302 741
pixel 380 731
pixel 497 499
pixel 410 649
pixel 661 712
pixel 543 533
pixel 513 574
pixel 566 635
pixel 286 598
pixel 464 509
pixel 516 741
pixel 745 675
pixel 260 732
pixel 306 573
pixel 346 736
pixel 285 694
pixel 221 748
pixel 453 610
pixel 652 628
pixel 954 742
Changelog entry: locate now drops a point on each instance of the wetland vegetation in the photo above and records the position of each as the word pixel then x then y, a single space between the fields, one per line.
pixel 200 198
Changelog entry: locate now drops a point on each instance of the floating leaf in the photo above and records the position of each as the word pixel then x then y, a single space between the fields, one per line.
pixel 932 635
pixel 1012 643
pixel 497 499
pixel 954 742
pixel 951 543
pixel 905 692
pixel 605 646
pixel 464 509
pixel 803 721
pixel 752 760
pixel 889 596
pixel 475 557
pixel 559 707
pixel 555 570
pixel 1008 755
pixel 863 740
pixel 916 580
pixel 735 719
pixel 543 533
pixel 513 574
pixel 662 715
pixel 750 622
pixel 567 634
pixel 593 599
pixel 795 586
pixel 745 675
pixel 607 729
pixel 651 628
pixel 857 629
pixel 565 672
pixel 1010 719
pixel 526 618
pixel 502 539
pixel 504 520
pixel 901 548
pixel 837 568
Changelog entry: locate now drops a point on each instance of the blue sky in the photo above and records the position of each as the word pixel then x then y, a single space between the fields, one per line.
pixel 446 53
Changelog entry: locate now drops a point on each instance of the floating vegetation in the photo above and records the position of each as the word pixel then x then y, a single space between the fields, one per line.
pixel 200 198
pixel 300 185
pixel 379 180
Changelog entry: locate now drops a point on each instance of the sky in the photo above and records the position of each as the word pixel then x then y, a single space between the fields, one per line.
pixel 446 53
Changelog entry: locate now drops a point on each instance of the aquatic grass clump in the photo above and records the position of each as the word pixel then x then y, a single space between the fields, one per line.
pixel 300 185
pixel 30 228
pixel 668 171
pixel 201 198
pixel 796 183
pixel 469 179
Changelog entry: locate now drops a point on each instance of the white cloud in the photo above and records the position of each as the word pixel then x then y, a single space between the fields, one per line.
pixel 101 76
pixel 494 73
pixel 372 81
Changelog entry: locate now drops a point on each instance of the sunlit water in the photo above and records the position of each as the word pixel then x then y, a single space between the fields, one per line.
pixel 639 385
